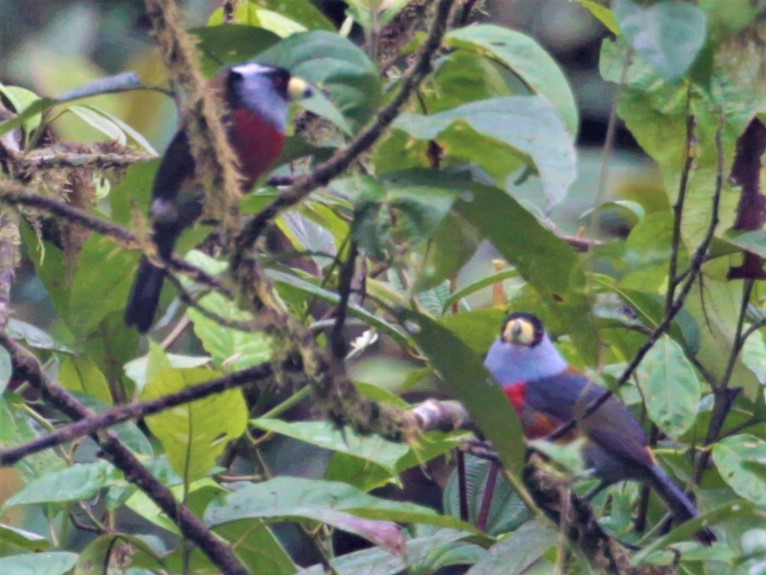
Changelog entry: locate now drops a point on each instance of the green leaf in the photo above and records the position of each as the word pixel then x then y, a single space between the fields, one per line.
pixel 21 99
pixel 6 369
pixel 100 285
pixel 197 495
pixel 477 329
pixel 335 65
pixel 670 387
pixel 109 85
pixel 669 34
pixel 542 258
pixel 16 427
pixel 48 563
pixel 297 499
pixel 527 59
pixel 195 434
pixel 518 553
pixel 327 435
pixel 376 561
pixel 484 282
pixel 469 381
pixel 754 356
pixel 257 547
pixel 736 510
pixel 741 461
pixel 145 368
pixel 76 483
pixel 99 122
pixel 232 349
pixel 288 281
pixel 753 242
pixel 79 374
pixel 527 125
pixel 602 13
pixel 506 512
pixel 467 76
pixel 35 337
pixel 301 11
pixel 227 44
pixel 22 539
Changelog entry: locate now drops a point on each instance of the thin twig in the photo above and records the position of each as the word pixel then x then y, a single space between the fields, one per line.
pixel 678 207
pixel 694 270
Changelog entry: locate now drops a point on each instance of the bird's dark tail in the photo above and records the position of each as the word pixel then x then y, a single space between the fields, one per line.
pixel 145 296
pixel 678 503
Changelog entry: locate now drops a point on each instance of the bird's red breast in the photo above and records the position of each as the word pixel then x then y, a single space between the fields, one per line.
pixel 257 142
pixel 534 423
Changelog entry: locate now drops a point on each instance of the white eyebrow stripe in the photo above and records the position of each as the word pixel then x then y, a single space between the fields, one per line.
pixel 251 68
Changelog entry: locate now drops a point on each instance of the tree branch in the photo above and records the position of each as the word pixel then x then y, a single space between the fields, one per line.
pixel 214 158
pixel 26 366
pixel 694 270
pixel 98 421
pixel 366 138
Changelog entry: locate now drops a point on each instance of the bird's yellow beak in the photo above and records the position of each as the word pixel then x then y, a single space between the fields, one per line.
pixel 519 331
pixel 298 88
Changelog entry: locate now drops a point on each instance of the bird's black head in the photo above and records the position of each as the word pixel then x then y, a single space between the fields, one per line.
pixel 263 89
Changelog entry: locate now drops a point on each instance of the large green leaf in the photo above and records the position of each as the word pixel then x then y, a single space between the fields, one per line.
pixel 15 537
pixel 48 563
pixel 543 259
pixel 525 126
pixel 108 85
pixel 325 434
pixel 736 511
pixel 257 547
pixel 670 387
pixel 195 434
pixel 79 374
pixel 232 349
pixel 76 483
pixel 225 44
pixel 100 285
pixel 297 499
pixel 18 426
pixel 517 553
pixel 335 65
pixel 740 461
pixel 377 561
pixel 668 34
pixel 525 58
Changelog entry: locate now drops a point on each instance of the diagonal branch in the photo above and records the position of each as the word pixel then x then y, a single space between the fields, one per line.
pixel 366 138
pixel 26 366
pixel 95 422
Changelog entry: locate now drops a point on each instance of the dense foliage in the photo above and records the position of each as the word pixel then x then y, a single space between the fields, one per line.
pixel 668 314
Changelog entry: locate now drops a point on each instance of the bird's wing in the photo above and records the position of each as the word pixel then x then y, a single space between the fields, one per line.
pixel 612 425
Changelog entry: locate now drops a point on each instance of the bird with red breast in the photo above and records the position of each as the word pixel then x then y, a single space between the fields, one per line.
pixel 547 393
pixel 257 98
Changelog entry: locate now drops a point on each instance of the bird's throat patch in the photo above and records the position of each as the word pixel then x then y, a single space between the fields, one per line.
pixel 517 395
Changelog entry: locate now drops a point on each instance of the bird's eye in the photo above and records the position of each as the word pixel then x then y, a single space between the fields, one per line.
pixel 279 80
